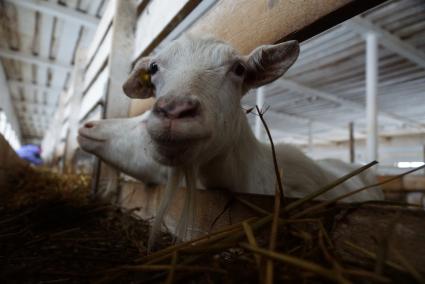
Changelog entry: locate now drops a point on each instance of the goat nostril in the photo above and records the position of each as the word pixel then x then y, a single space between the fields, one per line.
pixel 190 112
pixel 161 112
pixel 89 125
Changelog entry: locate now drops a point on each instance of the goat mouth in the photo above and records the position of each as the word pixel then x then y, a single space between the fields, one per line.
pixel 91 138
pixel 176 142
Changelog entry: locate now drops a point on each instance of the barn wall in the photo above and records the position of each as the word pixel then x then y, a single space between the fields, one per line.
pixel 6 104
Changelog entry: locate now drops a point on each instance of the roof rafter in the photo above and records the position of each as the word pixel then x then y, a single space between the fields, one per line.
pixel 17 55
pixel 350 104
pixel 35 87
pixel 390 41
pixel 306 121
pixel 59 11
pixel 301 138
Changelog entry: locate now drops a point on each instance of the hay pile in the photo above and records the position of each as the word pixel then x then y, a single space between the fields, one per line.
pixel 51 232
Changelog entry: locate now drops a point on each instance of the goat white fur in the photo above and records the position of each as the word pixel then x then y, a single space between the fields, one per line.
pixel 198 127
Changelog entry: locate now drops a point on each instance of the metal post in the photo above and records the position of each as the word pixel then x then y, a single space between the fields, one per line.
pixel 310 137
pixel 423 157
pixel 352 143
pixel 371 95
pixel 258 130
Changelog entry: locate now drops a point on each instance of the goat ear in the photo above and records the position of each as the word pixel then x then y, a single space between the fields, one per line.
pixel 138 84
pixel 268 62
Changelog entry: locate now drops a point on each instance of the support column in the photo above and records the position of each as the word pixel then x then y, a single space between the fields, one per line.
pixel 352 143
pixel 371 96
pixel 117 103
pixel 310 137
pixel 423 157
pixel 258 130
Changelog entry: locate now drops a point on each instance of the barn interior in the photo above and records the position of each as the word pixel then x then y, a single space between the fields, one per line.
pixel 356 93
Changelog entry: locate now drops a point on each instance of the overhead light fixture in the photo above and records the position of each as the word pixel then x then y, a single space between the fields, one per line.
pixel 404 165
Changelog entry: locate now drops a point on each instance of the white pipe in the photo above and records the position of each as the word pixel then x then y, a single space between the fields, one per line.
pixel 258 130
pixel 371 95
pixel 310 137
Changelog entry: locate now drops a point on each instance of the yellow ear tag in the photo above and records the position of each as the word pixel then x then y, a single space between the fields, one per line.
pixel 145 78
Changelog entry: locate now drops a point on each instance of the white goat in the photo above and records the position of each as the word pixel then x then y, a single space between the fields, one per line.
pixel 198 128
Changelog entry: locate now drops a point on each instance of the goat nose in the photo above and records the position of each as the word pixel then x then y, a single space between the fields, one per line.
pixel 178 108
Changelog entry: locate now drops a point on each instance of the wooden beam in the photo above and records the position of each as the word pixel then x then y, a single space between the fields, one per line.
pixel 390 41
pixel 59 11
pixel 248 24
pixel 118 68
pixel 20 56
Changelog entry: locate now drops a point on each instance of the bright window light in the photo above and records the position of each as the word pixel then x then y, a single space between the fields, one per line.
pixel 2 122
pixel 404 165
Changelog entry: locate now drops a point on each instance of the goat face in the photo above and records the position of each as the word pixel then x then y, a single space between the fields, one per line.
pixel 198 84
pixel 122 143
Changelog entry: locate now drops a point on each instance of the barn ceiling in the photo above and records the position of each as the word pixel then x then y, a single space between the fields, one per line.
pixel 326 86
pixel 39 39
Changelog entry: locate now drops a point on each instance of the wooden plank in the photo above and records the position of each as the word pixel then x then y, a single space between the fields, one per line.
pixel 138 107
pixel 414 182
pixel 99 60
pixel 408 183
pixel 101 30
pixel 157 20
pixel 94 94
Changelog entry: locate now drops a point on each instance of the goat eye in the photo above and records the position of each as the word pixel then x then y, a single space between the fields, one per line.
pixel 153 68
pixel 239 69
